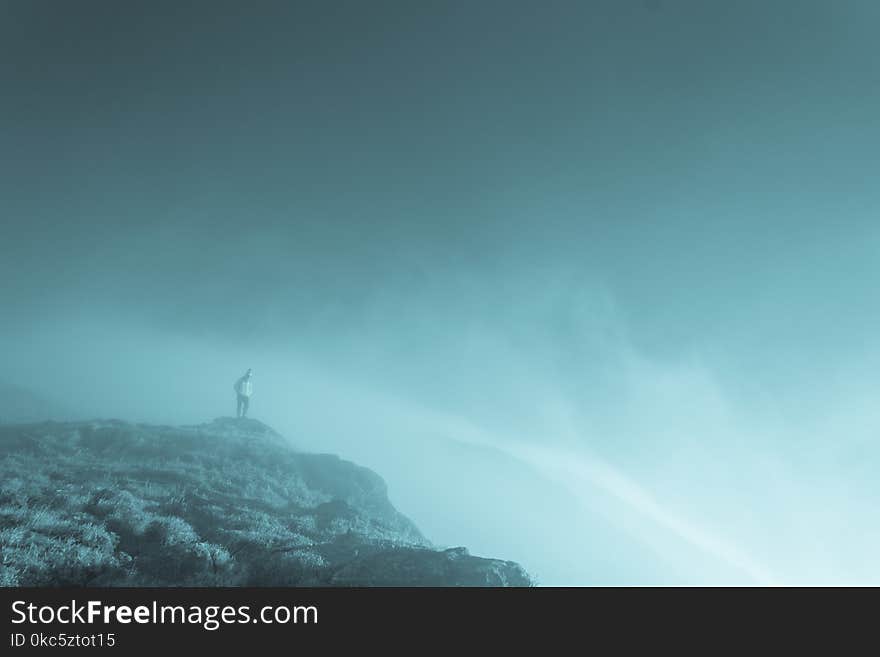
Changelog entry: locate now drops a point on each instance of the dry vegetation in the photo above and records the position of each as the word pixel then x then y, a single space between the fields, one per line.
pixel 224 504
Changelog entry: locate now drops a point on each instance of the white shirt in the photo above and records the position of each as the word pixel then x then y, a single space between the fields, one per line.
pixel 245 387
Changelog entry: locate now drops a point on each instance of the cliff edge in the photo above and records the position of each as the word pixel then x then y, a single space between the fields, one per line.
pixel 227 503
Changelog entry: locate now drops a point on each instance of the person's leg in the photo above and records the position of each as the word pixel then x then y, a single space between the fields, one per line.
pixel 247 402
pixel 238 408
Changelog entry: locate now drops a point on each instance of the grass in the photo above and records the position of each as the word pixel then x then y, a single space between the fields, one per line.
pixel 229 503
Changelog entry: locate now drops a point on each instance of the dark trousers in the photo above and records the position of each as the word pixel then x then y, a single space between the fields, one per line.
pixel 242 405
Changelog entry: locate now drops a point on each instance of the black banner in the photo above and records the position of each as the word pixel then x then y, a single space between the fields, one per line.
pixel 260 618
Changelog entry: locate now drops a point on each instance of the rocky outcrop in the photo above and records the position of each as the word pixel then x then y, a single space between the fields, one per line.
pixel 227 503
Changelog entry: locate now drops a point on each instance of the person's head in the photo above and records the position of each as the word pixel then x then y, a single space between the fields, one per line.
pixel 248 373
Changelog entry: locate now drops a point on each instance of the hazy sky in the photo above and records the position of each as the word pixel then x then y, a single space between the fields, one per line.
pixel 592 284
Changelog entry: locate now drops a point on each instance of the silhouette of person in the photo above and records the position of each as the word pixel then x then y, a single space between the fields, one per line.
pixel 244 387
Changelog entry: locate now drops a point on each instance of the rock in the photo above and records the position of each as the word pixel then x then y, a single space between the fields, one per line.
pixel 226 503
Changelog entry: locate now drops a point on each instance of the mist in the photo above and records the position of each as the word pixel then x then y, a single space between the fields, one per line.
pixel 592 286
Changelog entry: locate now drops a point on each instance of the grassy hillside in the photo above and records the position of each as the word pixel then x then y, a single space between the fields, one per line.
pixel 222 504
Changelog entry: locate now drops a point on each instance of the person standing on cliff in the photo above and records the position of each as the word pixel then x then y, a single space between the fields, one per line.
pixel 244 388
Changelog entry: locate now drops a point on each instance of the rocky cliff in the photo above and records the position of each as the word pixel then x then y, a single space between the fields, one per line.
pixel 229 503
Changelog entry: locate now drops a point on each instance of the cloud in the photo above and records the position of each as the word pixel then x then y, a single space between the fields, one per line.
pixel 520 420
pixel 585 475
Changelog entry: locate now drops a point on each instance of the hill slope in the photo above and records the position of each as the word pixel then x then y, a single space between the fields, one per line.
pixel 228 503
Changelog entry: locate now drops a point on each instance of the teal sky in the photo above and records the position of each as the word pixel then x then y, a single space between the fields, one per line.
pixel 609 267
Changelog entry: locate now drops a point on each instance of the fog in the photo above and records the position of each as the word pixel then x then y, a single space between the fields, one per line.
pixel 591 285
